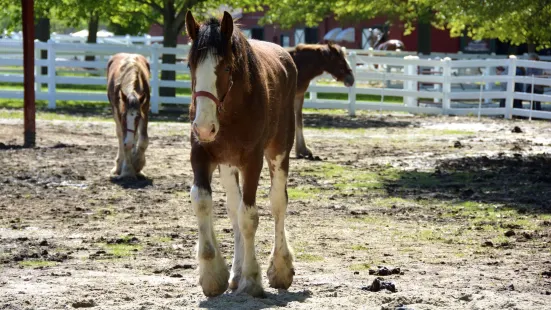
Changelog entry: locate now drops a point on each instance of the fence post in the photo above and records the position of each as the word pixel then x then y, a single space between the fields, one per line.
pixel 510 86
pixel 154 65
pixel 37 68
pixel 51 75
pixel 313 95
pixel 147 39
pixel 489 86
pixel 128 40
pixel 410 70
pixel 437 86
pixel 352 89
pixel 446 85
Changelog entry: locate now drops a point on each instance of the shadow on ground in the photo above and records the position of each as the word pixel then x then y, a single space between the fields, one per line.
pixel 520 182
pixel 243 301
pixel 345 121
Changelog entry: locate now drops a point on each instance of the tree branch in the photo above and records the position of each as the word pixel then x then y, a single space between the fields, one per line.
pixel 152 4
pixel 181 14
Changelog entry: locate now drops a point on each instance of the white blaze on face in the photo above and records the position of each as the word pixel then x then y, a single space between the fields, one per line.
pixel 205 113
pixel 130 125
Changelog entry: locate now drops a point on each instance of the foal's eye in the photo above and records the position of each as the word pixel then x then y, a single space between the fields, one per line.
pixel 227 69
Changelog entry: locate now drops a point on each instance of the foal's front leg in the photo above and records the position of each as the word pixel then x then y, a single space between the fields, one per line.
pixel 120 152
pixel 250 282
pixel 213 272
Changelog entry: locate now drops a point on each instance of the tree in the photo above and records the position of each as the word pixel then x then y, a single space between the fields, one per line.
pixel 514 21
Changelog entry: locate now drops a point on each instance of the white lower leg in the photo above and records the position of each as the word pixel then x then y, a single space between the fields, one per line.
pixel 120 152
pixel 250 282
pixel 280 270
pixel 213 273
pixel 229 179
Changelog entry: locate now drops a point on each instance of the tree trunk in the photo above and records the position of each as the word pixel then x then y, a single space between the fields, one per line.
pixel 42 33
pixel 93 26
pixel 531 48
pixel 170 40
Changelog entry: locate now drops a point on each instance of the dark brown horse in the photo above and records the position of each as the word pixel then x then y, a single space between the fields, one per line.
pixel 311 61
pixel 242 112
pixel 377 40
pixel 128 93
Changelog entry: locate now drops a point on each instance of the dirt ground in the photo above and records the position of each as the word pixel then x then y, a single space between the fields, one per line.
pixel 461 206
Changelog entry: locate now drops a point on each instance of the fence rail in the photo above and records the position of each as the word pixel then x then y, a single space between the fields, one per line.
pixel 426 83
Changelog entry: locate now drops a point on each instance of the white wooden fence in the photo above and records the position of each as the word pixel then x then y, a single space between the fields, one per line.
pixel 432 86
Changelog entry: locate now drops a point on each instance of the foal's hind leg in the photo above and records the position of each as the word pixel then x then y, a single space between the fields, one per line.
pixel 250 282
pixel 280 269
pixel 229 177
pixel 301 150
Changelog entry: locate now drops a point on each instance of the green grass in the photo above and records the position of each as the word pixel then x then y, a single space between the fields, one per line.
pixel 306 257
pixel 349 178
pixel 37 263
pixel 359 97
pixel 359 247
pixel 360 267
pixel 18 114
pixel 302 193
pixel 122 250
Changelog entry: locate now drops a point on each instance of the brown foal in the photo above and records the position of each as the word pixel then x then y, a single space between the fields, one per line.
pixel 242 112
pixel 128 93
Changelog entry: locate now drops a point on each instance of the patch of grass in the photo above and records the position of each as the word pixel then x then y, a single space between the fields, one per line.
pixel 18 114
pixel 164 239
pixel 360 267
pixel 359 97
pixel 359 247
pixel 445 132
pixel 122 250
pixel 302 193
pixel 37 263
pixel 307 257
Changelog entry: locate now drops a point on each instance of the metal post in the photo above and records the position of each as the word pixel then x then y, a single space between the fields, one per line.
pixel 28 63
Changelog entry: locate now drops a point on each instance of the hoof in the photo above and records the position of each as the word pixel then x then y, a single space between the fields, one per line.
pixel 214 275
pixel 234 282
pixel 115 171
pixel 280 272
pixel 251 286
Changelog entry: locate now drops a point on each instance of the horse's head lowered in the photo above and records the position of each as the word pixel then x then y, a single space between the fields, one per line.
pixel 212 64
pixel 337 65
pixel 134 99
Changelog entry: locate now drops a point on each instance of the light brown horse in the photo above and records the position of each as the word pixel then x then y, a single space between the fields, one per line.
pixel 311 61
pixel 128 93
pixel 242 112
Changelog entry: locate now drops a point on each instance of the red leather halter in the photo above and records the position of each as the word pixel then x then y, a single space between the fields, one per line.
pixel 219 103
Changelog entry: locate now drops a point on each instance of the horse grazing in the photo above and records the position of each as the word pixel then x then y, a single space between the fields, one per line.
pixel 128 93
pixel 311 61
pixel 377 40
pixel 242 111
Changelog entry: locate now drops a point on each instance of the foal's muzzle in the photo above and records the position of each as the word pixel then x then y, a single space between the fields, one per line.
pixel 349 80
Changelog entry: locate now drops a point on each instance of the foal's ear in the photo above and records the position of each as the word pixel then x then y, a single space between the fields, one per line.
pixel 226 26
pixel 192 27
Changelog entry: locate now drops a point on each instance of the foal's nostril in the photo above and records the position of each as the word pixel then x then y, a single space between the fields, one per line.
pixel 213 129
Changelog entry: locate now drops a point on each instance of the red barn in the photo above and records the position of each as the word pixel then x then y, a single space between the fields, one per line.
pixel 424 38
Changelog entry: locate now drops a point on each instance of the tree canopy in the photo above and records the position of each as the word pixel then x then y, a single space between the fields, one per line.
pixel 514 21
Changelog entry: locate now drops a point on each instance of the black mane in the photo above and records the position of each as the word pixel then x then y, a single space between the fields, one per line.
pixel 238 52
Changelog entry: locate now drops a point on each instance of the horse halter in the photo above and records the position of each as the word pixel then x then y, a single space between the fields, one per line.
pixel 219 103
